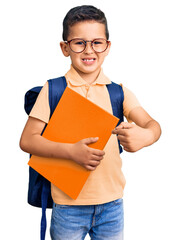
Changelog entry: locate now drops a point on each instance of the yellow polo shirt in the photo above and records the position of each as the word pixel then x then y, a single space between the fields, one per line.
pixel 107 182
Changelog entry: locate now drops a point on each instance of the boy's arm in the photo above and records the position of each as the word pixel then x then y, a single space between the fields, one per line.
pixel 143 133
pixel 32 142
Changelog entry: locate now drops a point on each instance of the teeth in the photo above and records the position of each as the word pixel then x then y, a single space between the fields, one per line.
pixel 88 60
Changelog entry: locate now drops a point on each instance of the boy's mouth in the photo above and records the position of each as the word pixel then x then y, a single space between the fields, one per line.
pixel 88 60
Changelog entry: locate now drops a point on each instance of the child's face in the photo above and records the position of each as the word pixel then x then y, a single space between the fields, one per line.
pixel 87 30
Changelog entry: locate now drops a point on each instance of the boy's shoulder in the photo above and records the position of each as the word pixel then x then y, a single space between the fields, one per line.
pixel 51 91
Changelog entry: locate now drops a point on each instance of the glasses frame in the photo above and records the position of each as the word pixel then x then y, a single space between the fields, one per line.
pixel 107 41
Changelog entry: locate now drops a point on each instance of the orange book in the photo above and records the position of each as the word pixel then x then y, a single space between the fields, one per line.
pixel 74 119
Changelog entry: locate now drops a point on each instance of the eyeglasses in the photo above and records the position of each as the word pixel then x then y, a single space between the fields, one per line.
pixel 78 45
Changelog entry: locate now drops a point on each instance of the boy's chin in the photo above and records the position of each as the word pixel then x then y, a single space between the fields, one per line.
pixel 87 69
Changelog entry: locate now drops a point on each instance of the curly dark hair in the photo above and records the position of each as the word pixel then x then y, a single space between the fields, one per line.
pixel 83 13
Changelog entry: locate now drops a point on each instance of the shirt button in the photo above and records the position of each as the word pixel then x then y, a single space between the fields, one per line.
pixel 87 88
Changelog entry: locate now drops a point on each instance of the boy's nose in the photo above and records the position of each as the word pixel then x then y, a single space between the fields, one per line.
pixel 88 47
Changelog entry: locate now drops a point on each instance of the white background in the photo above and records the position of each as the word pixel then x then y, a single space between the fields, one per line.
pixel 145 56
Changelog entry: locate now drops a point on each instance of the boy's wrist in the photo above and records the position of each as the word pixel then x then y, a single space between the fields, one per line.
pixel 149 137
pixel 68 151
pixel 153 132
pixel 63 150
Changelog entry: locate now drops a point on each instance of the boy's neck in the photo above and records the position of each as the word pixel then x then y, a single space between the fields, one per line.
pixel 89 77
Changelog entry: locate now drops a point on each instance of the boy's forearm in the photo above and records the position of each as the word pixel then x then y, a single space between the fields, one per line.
pixel 155 131
pixel 40 146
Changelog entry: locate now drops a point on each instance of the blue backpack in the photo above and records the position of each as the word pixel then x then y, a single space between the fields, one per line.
pixel 39 193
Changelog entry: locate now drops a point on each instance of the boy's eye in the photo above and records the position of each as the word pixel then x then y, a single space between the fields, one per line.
pixel 79 43
pixel 96 43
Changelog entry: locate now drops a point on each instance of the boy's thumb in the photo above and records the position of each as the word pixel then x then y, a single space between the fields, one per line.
pixel 126 125
pixel 90 140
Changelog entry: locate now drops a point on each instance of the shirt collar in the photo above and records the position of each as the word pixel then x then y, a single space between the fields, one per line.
pixel 76 80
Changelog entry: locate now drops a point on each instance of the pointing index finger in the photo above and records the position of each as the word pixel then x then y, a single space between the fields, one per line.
pixel 119 131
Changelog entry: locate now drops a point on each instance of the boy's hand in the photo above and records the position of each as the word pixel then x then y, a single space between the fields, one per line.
pixel 132 137
pixel 86 156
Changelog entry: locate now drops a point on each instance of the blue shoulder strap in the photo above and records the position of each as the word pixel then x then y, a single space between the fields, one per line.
pixel 117 97
pixel 56 89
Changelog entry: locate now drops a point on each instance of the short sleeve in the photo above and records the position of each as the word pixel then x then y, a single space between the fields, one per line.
pixel 41 108
pixel 130 102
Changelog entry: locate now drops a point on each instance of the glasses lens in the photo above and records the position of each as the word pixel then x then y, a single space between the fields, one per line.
pixel 100 45
pixel 77 45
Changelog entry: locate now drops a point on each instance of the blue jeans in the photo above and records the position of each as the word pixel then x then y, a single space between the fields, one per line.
pixel 101 222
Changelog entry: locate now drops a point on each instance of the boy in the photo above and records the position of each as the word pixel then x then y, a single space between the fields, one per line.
pixel 98 210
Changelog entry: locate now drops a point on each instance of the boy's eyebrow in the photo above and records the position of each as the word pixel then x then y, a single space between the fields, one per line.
pixel 86 39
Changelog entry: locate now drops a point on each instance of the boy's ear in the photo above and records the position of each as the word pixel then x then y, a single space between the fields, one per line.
pixel 65 49
pixel 108 49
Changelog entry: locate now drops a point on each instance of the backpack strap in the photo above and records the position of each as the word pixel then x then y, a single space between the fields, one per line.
pixel 44 201
pixel 117 97
pixel 56 89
